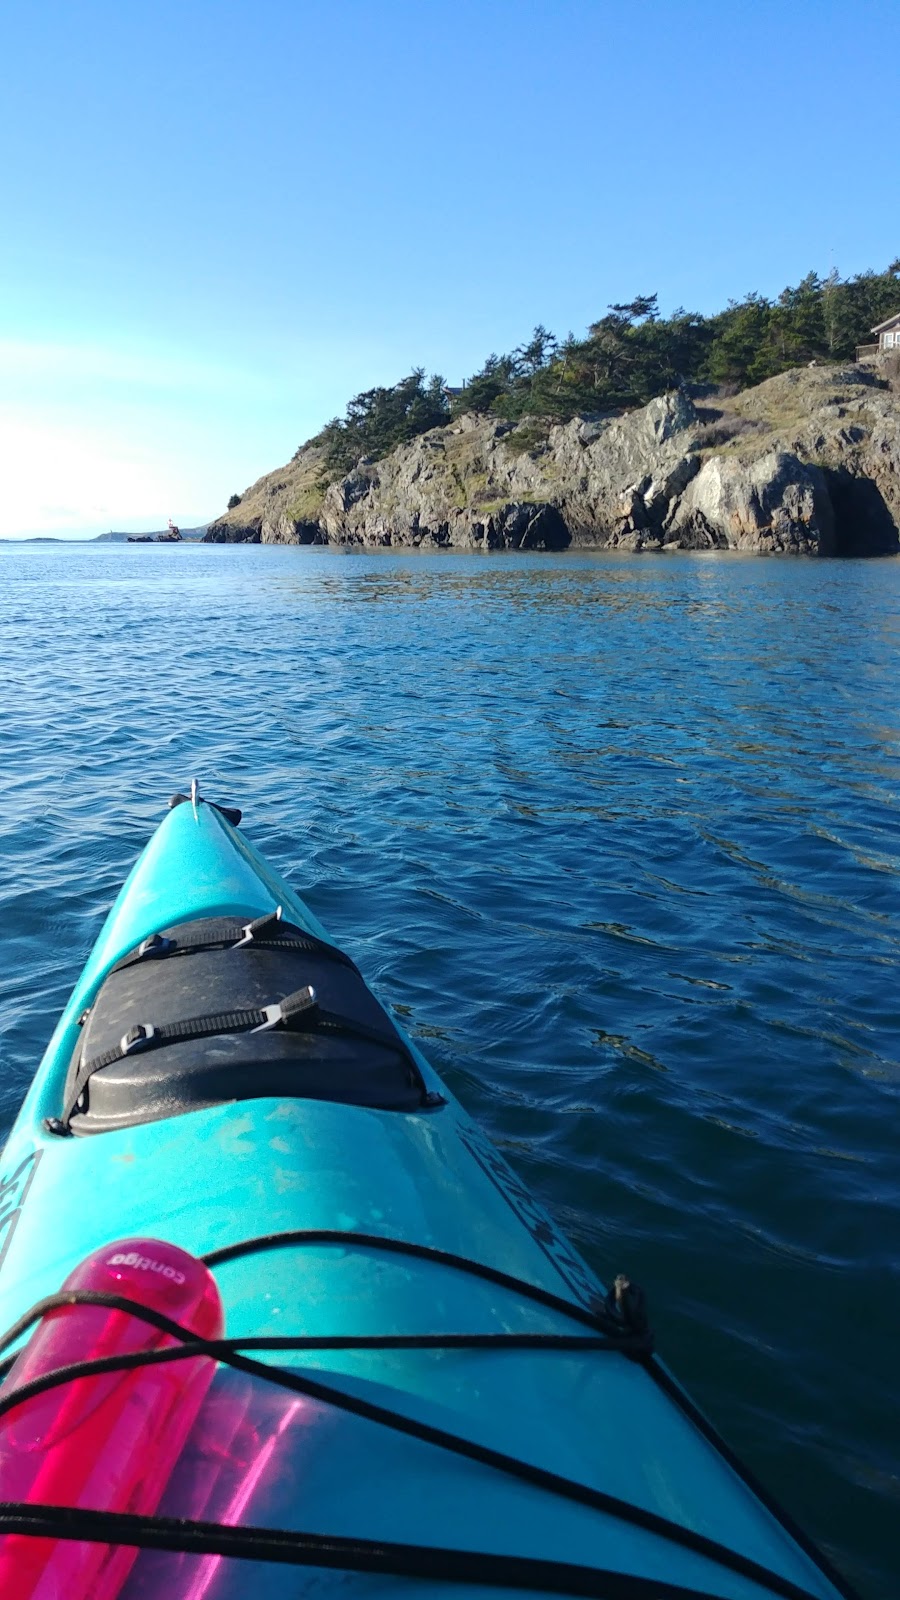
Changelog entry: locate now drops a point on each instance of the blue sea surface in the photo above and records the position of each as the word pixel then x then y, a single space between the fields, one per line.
pixel 618 838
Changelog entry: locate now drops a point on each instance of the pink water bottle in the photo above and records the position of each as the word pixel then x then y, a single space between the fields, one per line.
pixel 107 1442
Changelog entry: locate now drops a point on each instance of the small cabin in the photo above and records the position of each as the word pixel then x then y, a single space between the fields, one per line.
pixel 888 334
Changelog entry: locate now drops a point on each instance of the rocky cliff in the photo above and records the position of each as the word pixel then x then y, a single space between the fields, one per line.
pixel 808 462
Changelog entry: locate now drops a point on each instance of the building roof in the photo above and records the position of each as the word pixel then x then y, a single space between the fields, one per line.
pixel 892 322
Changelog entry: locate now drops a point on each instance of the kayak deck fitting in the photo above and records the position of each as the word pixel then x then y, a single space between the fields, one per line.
pixel 444 1392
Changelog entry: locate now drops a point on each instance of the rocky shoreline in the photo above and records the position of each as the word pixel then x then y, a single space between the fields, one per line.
pixel 806 463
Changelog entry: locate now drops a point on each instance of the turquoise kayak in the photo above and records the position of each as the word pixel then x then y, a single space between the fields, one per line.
pixel 440 1394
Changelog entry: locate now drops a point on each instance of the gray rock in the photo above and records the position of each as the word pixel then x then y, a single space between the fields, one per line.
pixel 806 462
pixel 232 533
pixel 773 504
pixel 519 526
pixel 468 486
pixel 285 530
pixel 617 489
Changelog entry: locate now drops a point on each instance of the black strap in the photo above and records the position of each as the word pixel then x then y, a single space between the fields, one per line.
pixel 289 1547
pixel 541 1477
pixel 154 1035
pixel 600 1317
pixel 336 1552
pixel 642 1349
pixel 299 1012
pixel 222 1349
pixel 600 1320
pixel 226 1351
pixel 264 933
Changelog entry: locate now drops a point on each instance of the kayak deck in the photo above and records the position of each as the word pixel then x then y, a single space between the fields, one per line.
pixel 269 1166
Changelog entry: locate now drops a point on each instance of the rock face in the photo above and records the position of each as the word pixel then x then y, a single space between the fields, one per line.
pixel 459 487
pixel 806 463
pixel 281 508
pixel 620 477
pixel 773 504
pixel 847 420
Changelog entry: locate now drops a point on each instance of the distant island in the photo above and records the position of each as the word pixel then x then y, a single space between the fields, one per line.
pixel 773 426
pixel 170 535
pixel 191 535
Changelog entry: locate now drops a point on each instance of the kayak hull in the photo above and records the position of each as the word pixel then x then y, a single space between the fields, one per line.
pixel 267 1166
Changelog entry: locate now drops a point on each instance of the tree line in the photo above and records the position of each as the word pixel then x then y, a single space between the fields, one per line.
pixel 627 357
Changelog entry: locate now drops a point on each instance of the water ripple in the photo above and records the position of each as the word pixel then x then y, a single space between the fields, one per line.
pixel 619 839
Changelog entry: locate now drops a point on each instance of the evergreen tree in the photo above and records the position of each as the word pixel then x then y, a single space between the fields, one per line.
pixel 739 335
pixel 629 355
pixel 481 391
pixel 378 419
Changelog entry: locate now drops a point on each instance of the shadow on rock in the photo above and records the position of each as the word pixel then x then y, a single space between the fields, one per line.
pixel 864 525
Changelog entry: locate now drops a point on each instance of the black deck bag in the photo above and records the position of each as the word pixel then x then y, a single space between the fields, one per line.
pixel 342 1046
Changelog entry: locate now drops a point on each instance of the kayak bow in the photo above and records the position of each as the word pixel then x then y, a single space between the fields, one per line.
pixel 438 1388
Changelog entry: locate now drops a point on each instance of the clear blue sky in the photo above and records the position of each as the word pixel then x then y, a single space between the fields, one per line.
pixel 220 219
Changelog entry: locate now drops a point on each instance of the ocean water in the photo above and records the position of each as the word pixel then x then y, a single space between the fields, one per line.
pixel 617 838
